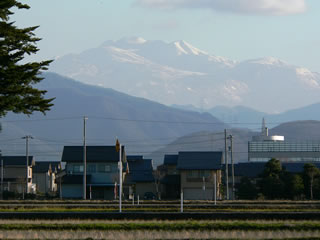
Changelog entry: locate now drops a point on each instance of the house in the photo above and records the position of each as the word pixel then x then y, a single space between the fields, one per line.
pixel 15 170
pixel 140 179
pixel 102 171
pixel 44 176
pixel 169 177
pixel 200 174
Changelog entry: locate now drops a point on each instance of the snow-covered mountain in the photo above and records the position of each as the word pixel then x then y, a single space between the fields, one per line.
pixel 179 73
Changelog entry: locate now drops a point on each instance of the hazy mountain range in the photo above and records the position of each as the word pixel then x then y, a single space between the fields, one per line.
pixel 144 126
pixel 244 117
pixel 179 73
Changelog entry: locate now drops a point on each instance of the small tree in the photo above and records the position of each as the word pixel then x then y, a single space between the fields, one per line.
pixel 295 186
pixel 271 184
pixel 246 189
pixel 272 168
pixel 310 172
pixel 17 93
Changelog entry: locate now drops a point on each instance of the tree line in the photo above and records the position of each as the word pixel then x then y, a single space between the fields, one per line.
pixel 276 182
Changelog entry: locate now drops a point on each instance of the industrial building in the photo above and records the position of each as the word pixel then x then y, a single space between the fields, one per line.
pixel 263 147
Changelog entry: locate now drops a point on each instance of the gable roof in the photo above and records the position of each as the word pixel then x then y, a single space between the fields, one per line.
pixel 44 166
pixel 199 160
pixel 17 160
pixel 140 170
pixel 140 165
pixel 170 159
pixel 94 154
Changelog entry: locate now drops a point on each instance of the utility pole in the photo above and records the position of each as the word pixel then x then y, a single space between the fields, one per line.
pixel 84 159
pixel 2 172
pixel 226 163
pixel 232 167
pixel 27 161
pixel 119 150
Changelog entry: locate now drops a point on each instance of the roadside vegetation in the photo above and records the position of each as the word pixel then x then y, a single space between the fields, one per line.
pixel 277 183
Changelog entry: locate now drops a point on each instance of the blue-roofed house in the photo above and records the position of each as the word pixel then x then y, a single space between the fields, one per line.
pixel 169 177
pixel 199 171
pixel 140 179
pixel 15 174
pixel 102 171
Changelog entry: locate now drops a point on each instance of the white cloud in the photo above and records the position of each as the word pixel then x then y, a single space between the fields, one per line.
pixel 255 7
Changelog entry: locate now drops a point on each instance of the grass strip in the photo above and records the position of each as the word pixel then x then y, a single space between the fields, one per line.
pixel 144 209
pixel 174 226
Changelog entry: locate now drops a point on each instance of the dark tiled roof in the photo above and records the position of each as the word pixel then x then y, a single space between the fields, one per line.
pixel 199 160
pixel 75 179
pixel 248 169
pixel 140 170
pixel 139 177
pixel 297 167
pixel 17 160
pixel 140 165
pixel 254 169
pixel 94 154
pixel 171 159
pixel 42 167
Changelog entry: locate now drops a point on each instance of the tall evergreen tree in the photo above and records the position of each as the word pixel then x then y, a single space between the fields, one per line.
pixel 17 79
pixel 271 184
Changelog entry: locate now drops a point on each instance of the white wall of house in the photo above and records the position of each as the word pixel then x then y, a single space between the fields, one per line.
pixel 196 188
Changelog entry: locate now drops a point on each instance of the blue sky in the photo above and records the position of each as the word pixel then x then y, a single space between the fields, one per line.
pixel 237 29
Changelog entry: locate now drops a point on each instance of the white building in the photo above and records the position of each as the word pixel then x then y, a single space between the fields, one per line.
pixel 263 147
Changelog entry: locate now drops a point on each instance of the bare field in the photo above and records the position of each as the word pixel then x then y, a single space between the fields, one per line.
pixel 149 234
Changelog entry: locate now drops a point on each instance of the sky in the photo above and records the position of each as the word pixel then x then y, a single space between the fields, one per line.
pixel 236 29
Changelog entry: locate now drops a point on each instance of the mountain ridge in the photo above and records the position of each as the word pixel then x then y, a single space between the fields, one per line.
pixel 179 73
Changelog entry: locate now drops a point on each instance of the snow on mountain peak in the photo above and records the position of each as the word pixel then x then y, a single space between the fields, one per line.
pixel 183 47
pixel 307 77
pixel 269 61
pixel 133 40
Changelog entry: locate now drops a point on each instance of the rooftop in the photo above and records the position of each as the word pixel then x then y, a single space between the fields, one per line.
pixel 199 160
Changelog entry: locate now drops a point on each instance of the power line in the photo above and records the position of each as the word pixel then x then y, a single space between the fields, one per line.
pixel 141 120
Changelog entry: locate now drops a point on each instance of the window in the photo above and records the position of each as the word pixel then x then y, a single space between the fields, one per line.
pixel 204 173
pixel 69 168
pixel 77 168
pixel 91 168
pixel 104 168
pixel 198 174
